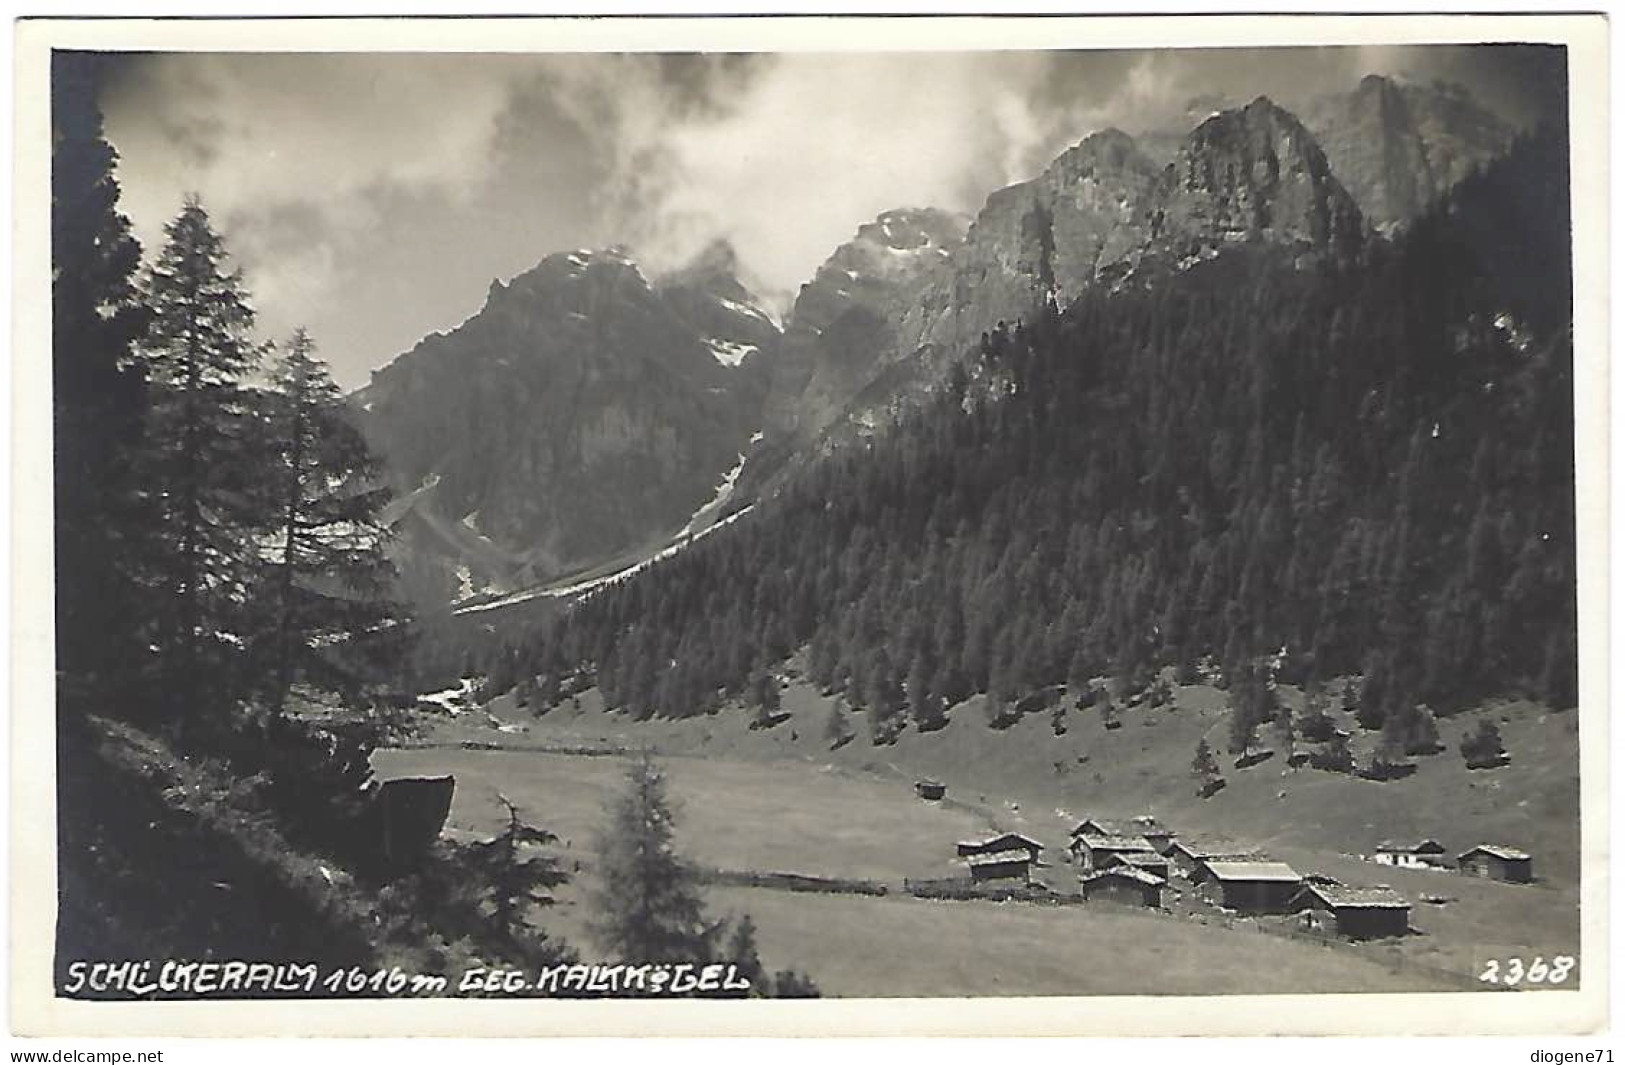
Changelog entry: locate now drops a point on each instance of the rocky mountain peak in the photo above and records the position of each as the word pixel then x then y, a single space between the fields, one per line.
pixel 881 267
pixel 579 412
pixel 708 295
pixel 1249 174
pixel 1399 146
pixel 915 229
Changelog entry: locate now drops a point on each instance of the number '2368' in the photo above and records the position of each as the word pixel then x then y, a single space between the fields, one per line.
pixel 1514 971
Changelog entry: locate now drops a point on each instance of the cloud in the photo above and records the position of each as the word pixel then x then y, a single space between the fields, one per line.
pixel 255 132
pixel 373 197
pixel 293 154
pixel 786 155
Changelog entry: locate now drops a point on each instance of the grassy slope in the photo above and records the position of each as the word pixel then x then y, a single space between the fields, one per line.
pixel 161 857
pixel 780 799
pixel 895 946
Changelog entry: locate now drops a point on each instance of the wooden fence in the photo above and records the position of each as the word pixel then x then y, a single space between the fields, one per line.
pixel 959 889
pixel 792 882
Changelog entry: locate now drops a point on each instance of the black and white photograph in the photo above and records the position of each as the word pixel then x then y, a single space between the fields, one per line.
pixel 879 510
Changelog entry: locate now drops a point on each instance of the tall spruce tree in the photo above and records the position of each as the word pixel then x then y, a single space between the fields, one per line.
pixel 648 899
pixel 329 574
pixel 517 874
pixel 201 460
pixel 98 394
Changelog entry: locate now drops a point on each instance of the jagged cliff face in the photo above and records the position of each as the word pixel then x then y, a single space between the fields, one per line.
pixel 708 295
pixel 1398 147
pixel 1246 175
pixel 578 414
pixel 1040 239
pixel 846 321
pixel 1105 213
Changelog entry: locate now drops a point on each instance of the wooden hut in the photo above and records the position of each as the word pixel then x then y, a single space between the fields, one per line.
pixel 1495 862
pixel 1357 912
pixel 1013 864
pixel 1095 852
pixel 1153 863
pixel 1007 841
pixel 1145 826
pixel 1123 883
pixel 1187 855
pixel 1251 886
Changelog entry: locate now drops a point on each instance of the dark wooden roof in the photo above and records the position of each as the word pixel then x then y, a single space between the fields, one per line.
pixel 982 858
pixel 1124 872
pixel 1426 846
pixel 1232 871
pixel 1117 843
pixel 1209 847
pixel 1005 841
pixel 1342 897
pixel 1509 854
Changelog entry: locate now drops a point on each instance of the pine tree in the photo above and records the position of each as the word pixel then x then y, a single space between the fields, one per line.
pixel 1482 748
pixel 788 983
pixel 764 690
pixel 1337 757
pixel 1205 768
pixel 1285 734
pixel 1424 732
pixel 329 575
pixel 1243 730
pixel 1376 690
pixel 200 458
pixel 517 878
pixel 648 902
pixel 742 954
pixel 837 729
pixel 923 703
pixel 1109 716
pixel 98 397
pixel 1398 726
pixel 1253 702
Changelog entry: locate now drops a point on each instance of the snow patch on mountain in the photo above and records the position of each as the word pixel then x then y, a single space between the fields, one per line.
pixel 586 588
pixel 725 489
pixel 729 352
pixel 749 310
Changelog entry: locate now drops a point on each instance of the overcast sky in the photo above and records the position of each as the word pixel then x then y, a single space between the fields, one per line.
pixel 373 198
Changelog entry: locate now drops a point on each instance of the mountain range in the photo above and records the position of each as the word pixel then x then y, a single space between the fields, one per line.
pixel 589 416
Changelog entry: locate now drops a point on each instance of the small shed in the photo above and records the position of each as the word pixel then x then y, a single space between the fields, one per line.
pixel 1495 862
pixel 930 790
pixel 1007 841
pixel 1013 864
pixel 1095 852
pixel 1153 863
pixel 1123 883
pixel 1187 855
pixel 1251 886
pixel 1424 854
pixel 1357 912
